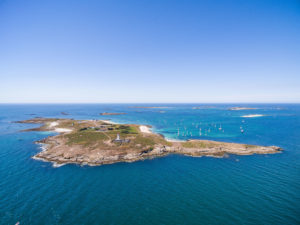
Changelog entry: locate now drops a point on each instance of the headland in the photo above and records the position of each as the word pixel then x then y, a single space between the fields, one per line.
pixel 96 142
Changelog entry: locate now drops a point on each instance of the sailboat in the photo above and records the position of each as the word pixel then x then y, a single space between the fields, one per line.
pixel 242 130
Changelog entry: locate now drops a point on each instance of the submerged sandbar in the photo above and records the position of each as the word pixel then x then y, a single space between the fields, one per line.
pixel 96 142
pixel 242 108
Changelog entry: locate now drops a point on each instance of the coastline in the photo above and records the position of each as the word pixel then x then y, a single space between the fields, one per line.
pixel 92 142
pixel 174 140
pixel 44 147
pixel 109 121
pixel 148 129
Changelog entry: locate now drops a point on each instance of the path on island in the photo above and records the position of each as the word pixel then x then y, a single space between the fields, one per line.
pixel 103 132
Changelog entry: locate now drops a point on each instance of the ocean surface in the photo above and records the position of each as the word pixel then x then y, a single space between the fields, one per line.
pixel 256 189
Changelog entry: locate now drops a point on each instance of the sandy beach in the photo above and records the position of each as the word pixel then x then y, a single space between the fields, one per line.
pixel 86 145
pixel 252 115
pixel 53 124
pixel 108 121
pixel 145 129
pixel 62 130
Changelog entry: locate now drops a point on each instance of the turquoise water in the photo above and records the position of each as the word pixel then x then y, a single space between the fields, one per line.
pixel 257 189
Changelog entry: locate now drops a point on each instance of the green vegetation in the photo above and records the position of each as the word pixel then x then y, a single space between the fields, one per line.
pixel 198 144
pixel 85 138
pixel 97 134
pixel 160 140
pixel 144 141
pixel 129 130
pixel 89 129
pixel 124 129
pixel 92 136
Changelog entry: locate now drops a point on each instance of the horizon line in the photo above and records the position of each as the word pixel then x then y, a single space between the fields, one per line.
pixel 44 103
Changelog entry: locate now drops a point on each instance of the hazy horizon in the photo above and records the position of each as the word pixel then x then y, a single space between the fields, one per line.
pixel 149 52
pixel 147 103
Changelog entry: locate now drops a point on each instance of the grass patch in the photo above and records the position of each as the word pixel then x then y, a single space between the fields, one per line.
pixel 85 138
pixel 198 144
pixel 127 129
pixel 144 141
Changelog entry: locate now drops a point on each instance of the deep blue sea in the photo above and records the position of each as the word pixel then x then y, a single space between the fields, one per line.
pixel 257 189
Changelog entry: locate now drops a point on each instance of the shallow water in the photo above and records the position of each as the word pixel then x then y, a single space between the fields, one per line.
pixel 257 189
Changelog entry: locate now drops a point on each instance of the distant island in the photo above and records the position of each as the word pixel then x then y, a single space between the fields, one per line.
pixel 96 142
pixel 241 108
pixel 111 114
pixel 150 107
pixel 204 107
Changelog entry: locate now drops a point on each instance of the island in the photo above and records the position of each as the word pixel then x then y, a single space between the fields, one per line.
pixel 204 107
pixel 96 142
pixel 111 114
pixel 150 107
pixel 241 108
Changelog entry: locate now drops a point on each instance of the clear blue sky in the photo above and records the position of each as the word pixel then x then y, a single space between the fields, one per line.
pixel 149 51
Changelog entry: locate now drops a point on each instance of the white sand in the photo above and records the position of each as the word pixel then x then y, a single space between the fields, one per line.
pixel 173 140
pixel 252 115
pixel 62 130
pixel 241 108
pixel 108 121
pixel 145 129
pixel 53 124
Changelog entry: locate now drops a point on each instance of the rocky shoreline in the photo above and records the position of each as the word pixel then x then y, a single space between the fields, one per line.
pixel 91 142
